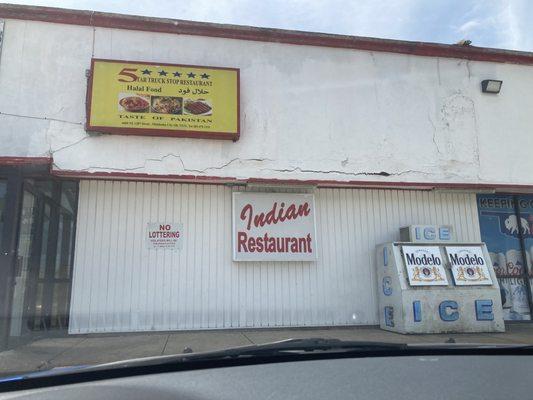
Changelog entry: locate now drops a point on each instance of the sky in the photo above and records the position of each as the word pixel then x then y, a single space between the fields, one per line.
pixel 487 23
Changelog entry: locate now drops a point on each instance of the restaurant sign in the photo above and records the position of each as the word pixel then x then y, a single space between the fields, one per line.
pixel 274 227
pixel 139 98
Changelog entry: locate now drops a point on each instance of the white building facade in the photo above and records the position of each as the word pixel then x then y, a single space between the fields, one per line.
pixel 381 133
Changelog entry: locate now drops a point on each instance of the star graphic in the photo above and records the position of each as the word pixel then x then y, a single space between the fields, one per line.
pixel 177 74
pixel 163 73
pixel 146 72
pixel 205 76
pixel 191 75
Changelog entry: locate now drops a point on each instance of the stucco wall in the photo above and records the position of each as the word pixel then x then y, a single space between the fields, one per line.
pixel 306 112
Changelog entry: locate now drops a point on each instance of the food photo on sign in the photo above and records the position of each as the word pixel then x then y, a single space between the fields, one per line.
pixel 132 102
pixel 274 226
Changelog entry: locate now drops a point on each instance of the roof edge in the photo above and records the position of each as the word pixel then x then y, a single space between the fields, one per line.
pixel 320 183
pixel 239 32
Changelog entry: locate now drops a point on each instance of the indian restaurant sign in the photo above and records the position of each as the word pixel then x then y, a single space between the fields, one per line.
pixel 274 227
pixel 139 98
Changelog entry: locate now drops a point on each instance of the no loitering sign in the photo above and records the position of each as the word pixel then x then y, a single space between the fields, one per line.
pixel 164 235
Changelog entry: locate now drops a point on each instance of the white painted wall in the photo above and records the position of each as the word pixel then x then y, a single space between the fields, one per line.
pixel 307 112
pixel 119 285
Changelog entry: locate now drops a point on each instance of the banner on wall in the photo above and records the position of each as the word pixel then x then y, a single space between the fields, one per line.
pixel 157 99
pixel 274 227
pixel 502 208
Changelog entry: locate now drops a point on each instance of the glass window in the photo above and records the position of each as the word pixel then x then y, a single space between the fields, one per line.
pixel 501 230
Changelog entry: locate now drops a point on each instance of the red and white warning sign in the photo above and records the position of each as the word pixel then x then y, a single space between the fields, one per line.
pixel 164 235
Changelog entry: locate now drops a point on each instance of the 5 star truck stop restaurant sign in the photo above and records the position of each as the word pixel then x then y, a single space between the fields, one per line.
pixel 138 98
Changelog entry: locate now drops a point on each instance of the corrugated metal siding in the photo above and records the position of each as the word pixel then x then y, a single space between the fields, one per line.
pixel 120 285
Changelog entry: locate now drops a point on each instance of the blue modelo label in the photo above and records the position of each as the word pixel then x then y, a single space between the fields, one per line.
pixel 424 259
pixel 466 259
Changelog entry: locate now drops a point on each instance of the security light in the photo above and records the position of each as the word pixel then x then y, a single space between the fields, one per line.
pixel 491 86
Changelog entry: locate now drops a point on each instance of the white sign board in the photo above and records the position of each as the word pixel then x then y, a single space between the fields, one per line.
pixel 274 227
pixel 469 267
pixel 1 35
pixel 164 235
pixel 425 266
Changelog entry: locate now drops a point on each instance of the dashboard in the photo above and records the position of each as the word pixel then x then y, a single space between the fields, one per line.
pixel 390 378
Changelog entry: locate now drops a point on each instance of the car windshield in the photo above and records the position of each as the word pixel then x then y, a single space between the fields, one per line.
pixel 184 179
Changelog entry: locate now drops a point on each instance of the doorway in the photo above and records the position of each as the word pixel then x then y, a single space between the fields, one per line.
pixel 39 215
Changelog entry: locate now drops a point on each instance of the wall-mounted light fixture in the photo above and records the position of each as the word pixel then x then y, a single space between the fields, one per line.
pixel 491 86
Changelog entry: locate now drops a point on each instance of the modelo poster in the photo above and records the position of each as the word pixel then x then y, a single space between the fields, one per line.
pixel 424 266
pixel 163 100
pixel 274 227
pixel 469 267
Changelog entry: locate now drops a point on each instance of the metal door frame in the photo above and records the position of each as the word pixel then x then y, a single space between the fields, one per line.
pixel 52 254
pixel 14 176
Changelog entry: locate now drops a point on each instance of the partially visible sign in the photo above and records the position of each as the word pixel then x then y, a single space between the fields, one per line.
pixel 1 36
pixel 274 227
pixel 500 229
pixel 469 267
pixel 424 266
pixel 139 98
pixel 501 208
pixel 164 235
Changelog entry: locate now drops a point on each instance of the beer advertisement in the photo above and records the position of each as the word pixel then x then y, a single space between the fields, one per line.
pixel 424 265
pixel 469 266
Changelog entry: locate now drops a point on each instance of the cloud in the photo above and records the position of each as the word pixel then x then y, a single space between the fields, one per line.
pixel 468 26
pixel 499 24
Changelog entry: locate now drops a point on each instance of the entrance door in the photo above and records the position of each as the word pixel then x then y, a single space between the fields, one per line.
pixel 43 269
pixel 37 225
pixel 506 223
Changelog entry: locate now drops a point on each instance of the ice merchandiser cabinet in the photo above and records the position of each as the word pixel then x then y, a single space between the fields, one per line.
pixel 437 287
